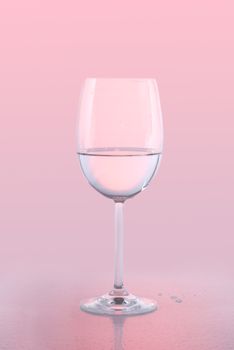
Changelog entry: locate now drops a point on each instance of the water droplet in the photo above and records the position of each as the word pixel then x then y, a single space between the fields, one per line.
pixel 178 300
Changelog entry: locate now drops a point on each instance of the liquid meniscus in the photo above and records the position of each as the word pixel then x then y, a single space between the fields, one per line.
pixel 119 173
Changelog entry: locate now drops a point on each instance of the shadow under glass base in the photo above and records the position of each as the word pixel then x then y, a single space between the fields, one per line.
pixel 118 302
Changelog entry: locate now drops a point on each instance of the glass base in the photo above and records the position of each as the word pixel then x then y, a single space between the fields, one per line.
pixel 118 302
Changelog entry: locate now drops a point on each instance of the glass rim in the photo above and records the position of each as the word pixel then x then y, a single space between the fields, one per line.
pixel 120 78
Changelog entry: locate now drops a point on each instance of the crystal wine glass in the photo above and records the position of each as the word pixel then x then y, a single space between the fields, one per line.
pixel 120 138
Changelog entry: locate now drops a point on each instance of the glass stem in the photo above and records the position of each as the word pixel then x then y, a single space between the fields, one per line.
pixel 118 278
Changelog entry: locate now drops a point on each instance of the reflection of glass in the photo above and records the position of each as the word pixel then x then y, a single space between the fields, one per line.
pixel 118 323
pixel 120 139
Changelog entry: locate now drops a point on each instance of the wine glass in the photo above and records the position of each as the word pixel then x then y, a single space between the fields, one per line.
pixel 120 138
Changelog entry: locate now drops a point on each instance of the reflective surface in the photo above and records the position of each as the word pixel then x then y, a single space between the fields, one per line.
pixel 38 314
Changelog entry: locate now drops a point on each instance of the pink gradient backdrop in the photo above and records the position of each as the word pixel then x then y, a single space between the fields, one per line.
pixel 54 224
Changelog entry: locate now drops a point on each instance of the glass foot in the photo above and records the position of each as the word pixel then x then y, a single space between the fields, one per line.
pixel 118 302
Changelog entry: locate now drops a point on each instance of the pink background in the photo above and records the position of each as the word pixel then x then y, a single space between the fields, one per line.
pixel 54 227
